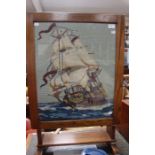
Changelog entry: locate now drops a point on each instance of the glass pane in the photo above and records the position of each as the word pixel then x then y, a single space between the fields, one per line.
pixel 75 68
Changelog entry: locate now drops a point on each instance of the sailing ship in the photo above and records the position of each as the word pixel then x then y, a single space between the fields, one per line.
pixel 73 75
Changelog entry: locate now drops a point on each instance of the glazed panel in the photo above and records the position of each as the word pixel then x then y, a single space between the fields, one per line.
pixel 75 70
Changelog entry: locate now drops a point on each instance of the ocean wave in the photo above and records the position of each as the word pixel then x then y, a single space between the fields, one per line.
pixel 49 112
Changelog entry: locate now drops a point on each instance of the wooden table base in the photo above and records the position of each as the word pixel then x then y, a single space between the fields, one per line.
pixel 93 136
pixel 75 138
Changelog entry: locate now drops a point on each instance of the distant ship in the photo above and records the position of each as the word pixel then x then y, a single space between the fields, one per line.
pixel 73 75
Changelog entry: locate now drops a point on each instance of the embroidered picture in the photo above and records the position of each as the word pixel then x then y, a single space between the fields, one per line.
pixel 75 68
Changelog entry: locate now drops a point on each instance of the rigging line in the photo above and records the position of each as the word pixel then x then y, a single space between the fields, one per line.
pixel 63 45
pixel 61 53
pixel 61 61
pixel 59 56
pixel 58 37
pixel 62 68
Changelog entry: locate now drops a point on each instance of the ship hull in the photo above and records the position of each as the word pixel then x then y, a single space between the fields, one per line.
pixel 86 100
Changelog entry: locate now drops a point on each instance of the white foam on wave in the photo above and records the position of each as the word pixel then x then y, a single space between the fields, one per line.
pixel 108 113
pixel 44 108
pixel 97 107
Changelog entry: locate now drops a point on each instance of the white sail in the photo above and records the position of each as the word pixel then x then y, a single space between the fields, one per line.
pixel 60 80
pixel 69 56
pixel 83 54
pixel 61 44
pixel 76 59
pixel 57 81
pixel 78 77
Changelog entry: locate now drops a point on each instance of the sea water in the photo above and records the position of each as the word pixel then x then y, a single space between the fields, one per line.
pixel 59 111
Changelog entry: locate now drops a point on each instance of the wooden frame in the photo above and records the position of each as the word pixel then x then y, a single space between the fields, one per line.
pixel 74 17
